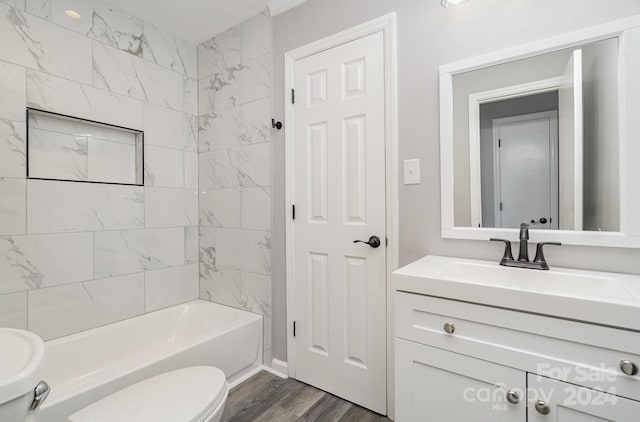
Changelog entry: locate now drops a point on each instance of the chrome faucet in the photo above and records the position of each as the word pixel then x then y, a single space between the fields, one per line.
pixel 538 263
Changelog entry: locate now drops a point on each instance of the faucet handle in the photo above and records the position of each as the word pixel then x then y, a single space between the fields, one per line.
pixel 540 253
pixel 507 256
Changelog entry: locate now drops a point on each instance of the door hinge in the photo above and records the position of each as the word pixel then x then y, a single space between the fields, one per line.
pixel 499 143
pixel 294 328
pixel 293 96
pixel 500 206
pixel 293 211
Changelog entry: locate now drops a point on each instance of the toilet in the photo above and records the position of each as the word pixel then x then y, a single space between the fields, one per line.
pixel 194 394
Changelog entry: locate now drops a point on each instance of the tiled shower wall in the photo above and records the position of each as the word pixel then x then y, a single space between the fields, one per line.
pixel 234 104
pixel 75 255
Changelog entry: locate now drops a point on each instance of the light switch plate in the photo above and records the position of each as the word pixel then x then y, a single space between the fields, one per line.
pixel 412 172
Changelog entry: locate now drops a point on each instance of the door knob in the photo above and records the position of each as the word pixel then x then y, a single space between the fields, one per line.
pixel 543 407
pixel 542 220
pixel 374 241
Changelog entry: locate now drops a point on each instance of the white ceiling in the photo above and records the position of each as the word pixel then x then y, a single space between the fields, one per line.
pixel 194 20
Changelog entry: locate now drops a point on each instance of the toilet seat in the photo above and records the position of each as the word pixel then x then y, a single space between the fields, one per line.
pixel 185 395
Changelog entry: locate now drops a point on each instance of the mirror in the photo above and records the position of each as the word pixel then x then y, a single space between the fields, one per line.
pixel 536 141
pixel 537 134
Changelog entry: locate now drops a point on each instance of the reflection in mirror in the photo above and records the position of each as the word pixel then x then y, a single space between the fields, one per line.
pixel 536 141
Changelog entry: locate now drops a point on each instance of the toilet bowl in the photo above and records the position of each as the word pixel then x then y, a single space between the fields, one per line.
pixel 194 394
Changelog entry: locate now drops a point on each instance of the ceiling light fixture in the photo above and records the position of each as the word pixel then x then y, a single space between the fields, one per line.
pixel 75 15
pixel 447 4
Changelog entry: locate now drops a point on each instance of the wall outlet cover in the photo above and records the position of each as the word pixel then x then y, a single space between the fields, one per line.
pixel 412 172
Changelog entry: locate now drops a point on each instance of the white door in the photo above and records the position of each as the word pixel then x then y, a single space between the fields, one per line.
pixel 440 386
pixel 556 401
pixel 526 171
pixel 570 115
pixel 339 191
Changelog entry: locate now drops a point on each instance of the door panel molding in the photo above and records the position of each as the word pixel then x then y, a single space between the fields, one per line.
pixel 387 25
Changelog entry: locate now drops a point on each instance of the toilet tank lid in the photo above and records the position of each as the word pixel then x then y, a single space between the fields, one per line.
pixel 21 357
pixel 182 395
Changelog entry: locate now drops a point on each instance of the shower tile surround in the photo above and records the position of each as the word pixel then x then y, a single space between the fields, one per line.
pixel 234 106
pixel 74 256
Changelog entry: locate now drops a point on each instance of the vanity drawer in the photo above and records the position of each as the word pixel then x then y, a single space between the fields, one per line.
pixel 580 353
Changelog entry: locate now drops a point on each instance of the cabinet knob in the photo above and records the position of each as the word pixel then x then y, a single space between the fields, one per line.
pixel 513 397
pixel 628 367
pixel 543 407
pixel 449 328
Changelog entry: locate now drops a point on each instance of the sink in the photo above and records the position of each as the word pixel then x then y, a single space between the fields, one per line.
pixel 577 283
pixel 602 298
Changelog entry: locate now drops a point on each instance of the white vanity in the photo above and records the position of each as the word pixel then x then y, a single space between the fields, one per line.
pixel 479 342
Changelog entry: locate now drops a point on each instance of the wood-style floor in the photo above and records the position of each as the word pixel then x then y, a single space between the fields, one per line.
pixel 266 397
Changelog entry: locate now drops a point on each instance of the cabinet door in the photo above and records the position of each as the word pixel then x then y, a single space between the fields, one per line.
pixel 557 401
pixel 434 385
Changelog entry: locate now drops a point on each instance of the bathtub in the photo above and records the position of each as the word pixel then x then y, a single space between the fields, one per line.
pixel 84 367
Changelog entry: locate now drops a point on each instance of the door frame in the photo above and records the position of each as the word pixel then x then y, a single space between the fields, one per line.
pixel 476 100
pixel 387 25
pixel 554 176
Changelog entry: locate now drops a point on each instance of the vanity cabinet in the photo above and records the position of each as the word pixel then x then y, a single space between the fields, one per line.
pixel 457 361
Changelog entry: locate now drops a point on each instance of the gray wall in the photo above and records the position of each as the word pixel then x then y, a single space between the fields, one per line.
pixel 490 111
pixel 429 36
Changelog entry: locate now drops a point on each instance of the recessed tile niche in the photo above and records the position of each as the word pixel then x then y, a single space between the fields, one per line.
pixel 67 148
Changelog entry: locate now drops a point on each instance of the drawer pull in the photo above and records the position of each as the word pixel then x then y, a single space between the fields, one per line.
pixel 628 367
pixel 543 407
pixel 449 328
pixel 513 397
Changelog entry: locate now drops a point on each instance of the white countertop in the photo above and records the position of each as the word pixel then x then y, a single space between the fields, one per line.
pixel 596 297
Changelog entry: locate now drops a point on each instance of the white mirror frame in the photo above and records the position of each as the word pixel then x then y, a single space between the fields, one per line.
pixel 628 31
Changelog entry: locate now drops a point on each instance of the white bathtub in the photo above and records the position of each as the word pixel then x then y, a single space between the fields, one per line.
pixel 84 367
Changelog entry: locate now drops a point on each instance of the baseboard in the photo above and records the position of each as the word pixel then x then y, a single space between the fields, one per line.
pixel 278 368
pixel 239 380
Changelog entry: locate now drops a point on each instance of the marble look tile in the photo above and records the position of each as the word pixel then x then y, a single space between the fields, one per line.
pixel 169 51
pixel 170 286
pixel 67 207
pixel 256 208
pixel 19 4
pixel 112 162
pixel 163 167
pixel 235 85
pixel 190 92
pixel 207 252
pixel 54 155
pixel 102 22
pixel 251 164
pixel 37 261
pixel 206 171
pixel 219 53
pixel 170 128
pixel 170 207
pixel 244 249
pixel 191 170
pixel 46 92
pixel 122 73
pixel 255 122
pixel 41 45
pixel 221 286
pixel 220 208
pixel 191 245
pixel 13 91
pixel 255 37
pixel 68 309
pixel 257 289
pixel 132 251
pixel 13 310
pixel 12 149
pixel 13 206
pixel 39 8
pixel 220 130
